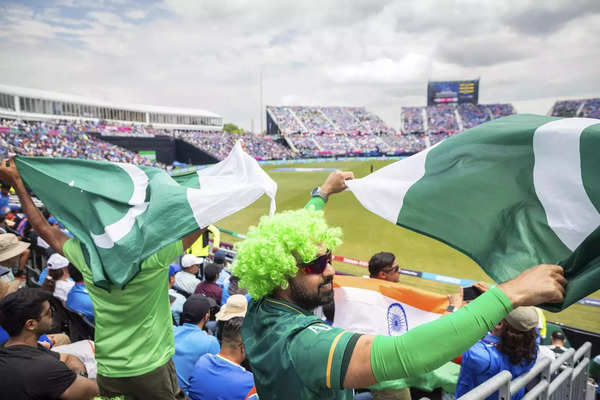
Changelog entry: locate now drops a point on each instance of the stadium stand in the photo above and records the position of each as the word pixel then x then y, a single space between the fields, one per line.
pixel 337 120
pixel 38 105
pixel 589 108
pixel 60 140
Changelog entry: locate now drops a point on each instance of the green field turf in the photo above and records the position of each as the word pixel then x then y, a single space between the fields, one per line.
pixel 366 234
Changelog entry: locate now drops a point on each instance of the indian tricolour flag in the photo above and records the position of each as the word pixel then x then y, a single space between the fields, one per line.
pixel 375 306
pixel 512 193
pixel 123 213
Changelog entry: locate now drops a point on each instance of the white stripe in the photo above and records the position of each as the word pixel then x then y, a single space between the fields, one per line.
pixel 558 181
pixel 366 311
pixel 117 231
pixel 383 191
pixel 229 186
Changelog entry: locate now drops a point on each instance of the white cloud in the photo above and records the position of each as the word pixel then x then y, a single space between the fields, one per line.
pixel 379 54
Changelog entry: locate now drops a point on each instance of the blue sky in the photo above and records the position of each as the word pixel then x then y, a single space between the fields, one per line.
pixel 375 53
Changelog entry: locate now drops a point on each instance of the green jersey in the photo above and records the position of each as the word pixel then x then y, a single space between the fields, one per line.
pixel 134 333
pixel 293 354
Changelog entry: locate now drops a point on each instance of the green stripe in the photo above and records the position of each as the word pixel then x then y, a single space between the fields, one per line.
pixel 477 195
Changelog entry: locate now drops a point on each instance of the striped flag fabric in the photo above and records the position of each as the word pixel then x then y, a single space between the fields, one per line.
pixel 379 307
pixel 123 213
pixel 512 193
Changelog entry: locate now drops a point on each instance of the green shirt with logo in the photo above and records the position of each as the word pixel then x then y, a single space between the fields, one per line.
pixel 134 333
pixel 293 354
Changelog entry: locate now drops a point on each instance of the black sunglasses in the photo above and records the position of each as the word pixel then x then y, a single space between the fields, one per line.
pixel 318 265
pixel 393 269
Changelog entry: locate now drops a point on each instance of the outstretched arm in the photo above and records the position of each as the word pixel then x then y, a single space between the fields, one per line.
pixel 426 347
pixel 52 235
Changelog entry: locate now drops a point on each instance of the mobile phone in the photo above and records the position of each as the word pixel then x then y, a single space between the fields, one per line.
pixel 471 293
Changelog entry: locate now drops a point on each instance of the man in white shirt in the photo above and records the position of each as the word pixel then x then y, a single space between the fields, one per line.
pixel 557 348
pixel 186 280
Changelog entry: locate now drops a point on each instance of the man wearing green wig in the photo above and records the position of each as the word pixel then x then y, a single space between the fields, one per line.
pixel 285 263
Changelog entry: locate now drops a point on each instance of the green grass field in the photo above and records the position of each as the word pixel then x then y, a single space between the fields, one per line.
pixel 366 234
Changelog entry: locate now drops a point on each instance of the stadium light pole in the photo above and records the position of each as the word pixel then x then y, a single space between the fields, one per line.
pixel 260 115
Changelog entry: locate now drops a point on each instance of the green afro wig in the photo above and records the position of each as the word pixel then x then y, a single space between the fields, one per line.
pixel 267 257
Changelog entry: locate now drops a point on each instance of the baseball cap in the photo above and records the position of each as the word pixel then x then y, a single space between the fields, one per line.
pixel 195 308
pixel 56 261
pixel 189 260
pixel 173 269
pixel 236 306
pixel 522 319
pixel 219 257
pixel 11 246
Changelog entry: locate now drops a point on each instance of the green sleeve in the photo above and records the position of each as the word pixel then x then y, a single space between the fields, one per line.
pixel 429 346
pixel 315 202
pixel 164 256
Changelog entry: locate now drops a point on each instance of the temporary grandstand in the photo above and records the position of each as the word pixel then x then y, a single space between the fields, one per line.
pixel 38 105
pixel 589 108
pixel 450 118
pixel 328 120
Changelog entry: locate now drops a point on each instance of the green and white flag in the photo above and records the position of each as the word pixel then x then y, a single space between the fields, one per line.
pixel 511 193
pixel 124 213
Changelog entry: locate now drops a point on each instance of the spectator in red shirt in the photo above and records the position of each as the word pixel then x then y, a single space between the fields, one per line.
pixel 209 288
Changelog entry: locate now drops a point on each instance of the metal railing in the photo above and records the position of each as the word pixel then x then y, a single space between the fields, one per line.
pixel 564 378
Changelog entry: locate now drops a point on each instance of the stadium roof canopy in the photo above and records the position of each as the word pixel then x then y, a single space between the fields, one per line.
pixel 33 104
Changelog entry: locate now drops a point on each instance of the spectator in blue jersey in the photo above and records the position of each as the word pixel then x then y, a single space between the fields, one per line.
pixel 78 298
pixel 191 341
pixel 510 346
pixel 221 376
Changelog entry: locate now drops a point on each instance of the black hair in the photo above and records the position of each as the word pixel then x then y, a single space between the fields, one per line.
pixel 558 335
pixel 75 273
pixel 231 332
pixel 380 261
pixel 211 271
pixel 20 306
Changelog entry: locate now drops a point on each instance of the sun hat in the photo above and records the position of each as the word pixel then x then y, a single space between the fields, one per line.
pixel 189 260
pixel 522 319
pixel 11 246
pixel 236 306
pixel 56 261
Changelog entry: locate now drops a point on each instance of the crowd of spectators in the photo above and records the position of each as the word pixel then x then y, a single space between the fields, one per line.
pixel 219 144
pixel 412 120
pixel 566 108
pixel 330 120
pixel 442 119
pixel 60 140
pixel 473 114
pixel 591 108
pixel 587 108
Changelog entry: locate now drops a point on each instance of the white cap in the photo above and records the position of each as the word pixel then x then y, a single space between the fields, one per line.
pixel 189 260
pixel 56 261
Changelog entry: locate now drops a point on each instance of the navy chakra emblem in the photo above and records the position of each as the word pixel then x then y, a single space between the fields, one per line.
pixel 396 320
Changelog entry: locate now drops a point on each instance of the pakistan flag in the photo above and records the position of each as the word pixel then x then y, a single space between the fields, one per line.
pixel 512 193
pixel 123 213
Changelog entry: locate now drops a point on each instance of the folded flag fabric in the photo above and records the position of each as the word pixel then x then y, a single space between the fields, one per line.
pixel 511 193
pixel 378 307
pixel 124 213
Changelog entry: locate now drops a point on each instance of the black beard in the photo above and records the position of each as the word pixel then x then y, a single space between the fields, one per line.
pixel 310 301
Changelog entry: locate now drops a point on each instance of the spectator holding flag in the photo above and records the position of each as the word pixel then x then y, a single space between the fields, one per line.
pixel 285 263
pixel 130 364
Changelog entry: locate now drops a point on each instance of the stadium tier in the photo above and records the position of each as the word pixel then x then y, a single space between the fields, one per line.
pixel 448 118
pixel 38 105
pixel 589 108
pixel 318 120
pixel 61 140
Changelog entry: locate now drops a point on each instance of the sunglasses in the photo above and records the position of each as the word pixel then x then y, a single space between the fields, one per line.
pixel 318 265
pixel 393 269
